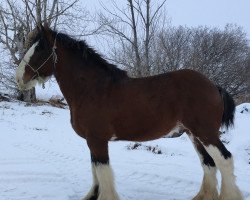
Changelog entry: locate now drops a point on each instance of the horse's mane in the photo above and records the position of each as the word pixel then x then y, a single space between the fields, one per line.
pixel 88 54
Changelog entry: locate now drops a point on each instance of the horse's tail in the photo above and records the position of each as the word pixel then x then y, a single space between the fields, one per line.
pixel 229 108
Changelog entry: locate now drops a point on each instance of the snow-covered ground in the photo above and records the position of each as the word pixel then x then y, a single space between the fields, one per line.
pixel 41 158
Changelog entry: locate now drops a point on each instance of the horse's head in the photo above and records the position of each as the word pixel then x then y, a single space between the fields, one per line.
pixel 38 63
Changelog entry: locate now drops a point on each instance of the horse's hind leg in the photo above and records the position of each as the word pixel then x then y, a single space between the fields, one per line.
pixel 208 190
pixel 103 187
pixel 224 161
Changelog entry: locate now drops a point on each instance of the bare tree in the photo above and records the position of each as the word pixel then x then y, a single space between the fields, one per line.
pixel 247 93
pixel 18 18
pixel 144 46
pixel 222 56
pixel 133 28
pixel 170 49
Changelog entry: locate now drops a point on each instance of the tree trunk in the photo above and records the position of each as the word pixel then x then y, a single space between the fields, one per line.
pixel 147 32
pixel 138 65
pixel 28 96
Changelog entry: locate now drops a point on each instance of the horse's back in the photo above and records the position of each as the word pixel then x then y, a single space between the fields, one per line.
pixel 173 89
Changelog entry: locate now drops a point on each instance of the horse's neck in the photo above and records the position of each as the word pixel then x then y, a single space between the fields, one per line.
pixel 74 78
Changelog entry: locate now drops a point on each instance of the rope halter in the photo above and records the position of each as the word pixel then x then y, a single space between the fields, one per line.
pixel 53 55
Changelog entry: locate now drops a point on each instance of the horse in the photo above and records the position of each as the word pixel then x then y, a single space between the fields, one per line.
pixel 106 104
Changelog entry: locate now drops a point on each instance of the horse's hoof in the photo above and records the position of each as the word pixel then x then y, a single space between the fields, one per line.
pixel 203 197
pixel 91 198
pixel 93 194
pixel 231 198
pixel 111 196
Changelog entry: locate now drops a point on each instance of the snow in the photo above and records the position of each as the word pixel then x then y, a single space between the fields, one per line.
pixel 51 87
pixel 41 158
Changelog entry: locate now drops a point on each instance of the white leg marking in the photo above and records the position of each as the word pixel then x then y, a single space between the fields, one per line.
pixel 94 184
pixel 208 190
pixel 229 189
pixel 106 182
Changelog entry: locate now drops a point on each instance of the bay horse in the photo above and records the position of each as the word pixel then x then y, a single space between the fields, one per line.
pixel 106 104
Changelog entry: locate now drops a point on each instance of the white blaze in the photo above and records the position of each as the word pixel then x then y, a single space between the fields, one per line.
pixel 21 69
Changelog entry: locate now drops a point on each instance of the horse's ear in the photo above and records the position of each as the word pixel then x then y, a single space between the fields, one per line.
pixel 39 26
pixel 42 28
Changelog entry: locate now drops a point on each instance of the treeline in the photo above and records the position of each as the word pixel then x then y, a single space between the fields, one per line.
pixel 222 55
pixel 139 39
pixel 145 43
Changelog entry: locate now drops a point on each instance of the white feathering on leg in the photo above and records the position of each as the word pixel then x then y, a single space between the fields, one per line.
pixel 229 189
pixel 106 182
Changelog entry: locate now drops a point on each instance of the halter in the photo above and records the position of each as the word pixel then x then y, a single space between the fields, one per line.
pixel 53 54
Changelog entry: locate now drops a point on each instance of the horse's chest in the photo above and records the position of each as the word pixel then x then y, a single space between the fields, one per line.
pixel 78 124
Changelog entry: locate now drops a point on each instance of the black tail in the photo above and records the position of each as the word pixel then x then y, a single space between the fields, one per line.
pixel 229 108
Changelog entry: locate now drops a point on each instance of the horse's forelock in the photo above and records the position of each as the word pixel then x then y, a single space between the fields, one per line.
pixel 31 38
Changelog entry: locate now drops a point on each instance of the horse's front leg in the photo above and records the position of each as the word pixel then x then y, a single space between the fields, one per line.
pixel 93 193
pixel 103 180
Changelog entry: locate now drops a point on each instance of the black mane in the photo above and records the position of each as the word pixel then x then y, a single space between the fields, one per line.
pixel 88 54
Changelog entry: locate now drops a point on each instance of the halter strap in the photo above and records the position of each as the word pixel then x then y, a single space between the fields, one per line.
pixel 53 54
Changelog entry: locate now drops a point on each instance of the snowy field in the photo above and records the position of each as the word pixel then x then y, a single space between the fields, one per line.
pixel 41 158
